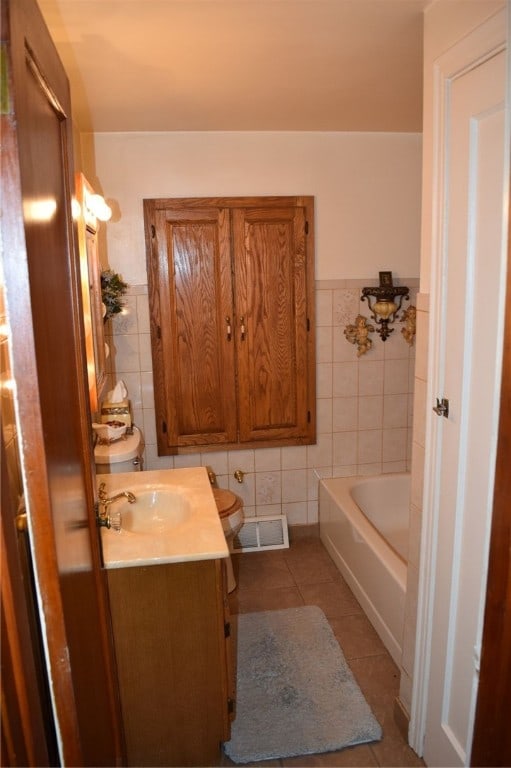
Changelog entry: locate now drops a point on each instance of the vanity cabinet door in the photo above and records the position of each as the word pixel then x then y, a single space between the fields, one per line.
pixel 231 294
pixel 172 650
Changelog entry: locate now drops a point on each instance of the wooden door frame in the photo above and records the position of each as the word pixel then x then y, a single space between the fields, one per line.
pixel 491 745
pixel 23 25
pixel 23 354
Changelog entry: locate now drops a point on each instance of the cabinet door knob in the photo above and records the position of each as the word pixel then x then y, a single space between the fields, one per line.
pixel 243 329
pixel 229 329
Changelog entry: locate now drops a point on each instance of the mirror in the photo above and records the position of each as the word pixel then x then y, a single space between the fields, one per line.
pixel 93 310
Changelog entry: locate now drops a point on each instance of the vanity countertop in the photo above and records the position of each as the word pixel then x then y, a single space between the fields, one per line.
pixel 149 536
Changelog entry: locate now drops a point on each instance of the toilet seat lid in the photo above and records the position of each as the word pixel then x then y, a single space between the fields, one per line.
pixel 226 501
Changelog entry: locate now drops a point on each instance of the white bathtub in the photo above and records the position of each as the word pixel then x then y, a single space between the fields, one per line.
pixel 364 526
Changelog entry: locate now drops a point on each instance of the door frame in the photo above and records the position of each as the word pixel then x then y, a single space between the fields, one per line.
pixel 492 736
pixel 25 37
pixel 485 42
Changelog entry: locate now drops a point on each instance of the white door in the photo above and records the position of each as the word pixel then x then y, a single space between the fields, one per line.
pixel 466 339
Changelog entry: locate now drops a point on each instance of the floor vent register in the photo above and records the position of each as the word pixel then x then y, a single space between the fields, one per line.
pixel 259 533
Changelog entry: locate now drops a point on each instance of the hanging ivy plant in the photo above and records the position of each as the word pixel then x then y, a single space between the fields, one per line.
pixel 112 290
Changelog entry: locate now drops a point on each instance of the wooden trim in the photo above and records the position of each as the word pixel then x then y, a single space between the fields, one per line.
pixel 492 733
pixel 25 368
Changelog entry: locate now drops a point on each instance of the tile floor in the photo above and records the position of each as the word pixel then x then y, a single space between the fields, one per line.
pixel 304 574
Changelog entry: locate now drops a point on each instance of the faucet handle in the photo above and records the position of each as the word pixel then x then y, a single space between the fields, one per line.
pixel 114 517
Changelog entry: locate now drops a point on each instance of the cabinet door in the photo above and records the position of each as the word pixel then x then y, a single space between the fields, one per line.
pixel 231 293
pixel 274 326
pixel 189 271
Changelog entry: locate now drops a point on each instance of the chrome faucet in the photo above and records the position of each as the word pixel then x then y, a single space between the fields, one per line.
pixel 104 518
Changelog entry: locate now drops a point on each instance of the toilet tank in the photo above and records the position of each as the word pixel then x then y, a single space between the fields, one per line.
pixel 120 456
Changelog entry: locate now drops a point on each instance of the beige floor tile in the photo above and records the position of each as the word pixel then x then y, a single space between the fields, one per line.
pixel 392 750
pixel 378 678
pixel 310 563
pixel 356 636
pixel 334 598
pixel 265 599
pixel 226 762
pixel 357 757
pixel 264 570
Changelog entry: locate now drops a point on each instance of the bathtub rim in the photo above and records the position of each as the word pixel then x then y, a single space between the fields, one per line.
pixel 363 525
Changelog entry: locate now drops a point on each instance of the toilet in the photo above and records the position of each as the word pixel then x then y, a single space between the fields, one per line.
pixel 120 456
pixel 230 511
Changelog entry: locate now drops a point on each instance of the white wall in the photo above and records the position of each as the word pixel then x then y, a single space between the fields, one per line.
pixel 367 188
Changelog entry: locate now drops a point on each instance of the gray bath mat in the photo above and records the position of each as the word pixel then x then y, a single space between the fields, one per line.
pixel 295 692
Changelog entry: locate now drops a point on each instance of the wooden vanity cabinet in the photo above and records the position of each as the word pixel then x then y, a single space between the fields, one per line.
pixel 231 295
pixel 172 639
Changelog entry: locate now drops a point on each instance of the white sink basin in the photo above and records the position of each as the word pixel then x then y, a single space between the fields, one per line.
pixel 155 510
pixel 173 519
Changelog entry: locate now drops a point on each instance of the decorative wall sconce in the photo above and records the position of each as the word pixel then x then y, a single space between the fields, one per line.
pixel 409 317
pixel 382 303
pixel 358 334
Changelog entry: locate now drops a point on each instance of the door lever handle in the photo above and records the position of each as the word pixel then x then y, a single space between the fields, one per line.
pixel 442 408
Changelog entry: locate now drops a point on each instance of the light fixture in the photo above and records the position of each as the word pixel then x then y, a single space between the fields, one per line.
pixel 97 206
pixel 385 302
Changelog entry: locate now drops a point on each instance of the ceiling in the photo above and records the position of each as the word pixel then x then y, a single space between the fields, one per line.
pixel 236 65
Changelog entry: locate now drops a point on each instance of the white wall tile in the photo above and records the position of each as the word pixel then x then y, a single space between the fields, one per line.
pixel 294 457
pixel 395 410
pixel 323 308
pixel 320 455
pixel 324 415
pixel 267 459
pixel 370 377
pixel 146 361
pixel 246 489
pixel 324 344
pixel 294 485
pixel 345 448
pixel 268 488
pixel 146 382
pixel 126 321
pixel 345 414
pixel 324 380
pixel 244 460
pixel 312 512
pixel 369 446
pixel 394 444
pixel 143 313
pixel 345 379
pixel 125 354
pixel 217 460
pixel 396 377
pixel 296 512
pixel 370 412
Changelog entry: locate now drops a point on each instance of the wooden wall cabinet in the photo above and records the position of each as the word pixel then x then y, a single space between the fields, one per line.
pixel 90 272
pixel 172 639
pixel 231 295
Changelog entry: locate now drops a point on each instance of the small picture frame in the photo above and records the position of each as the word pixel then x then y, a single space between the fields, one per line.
pixel 385 279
